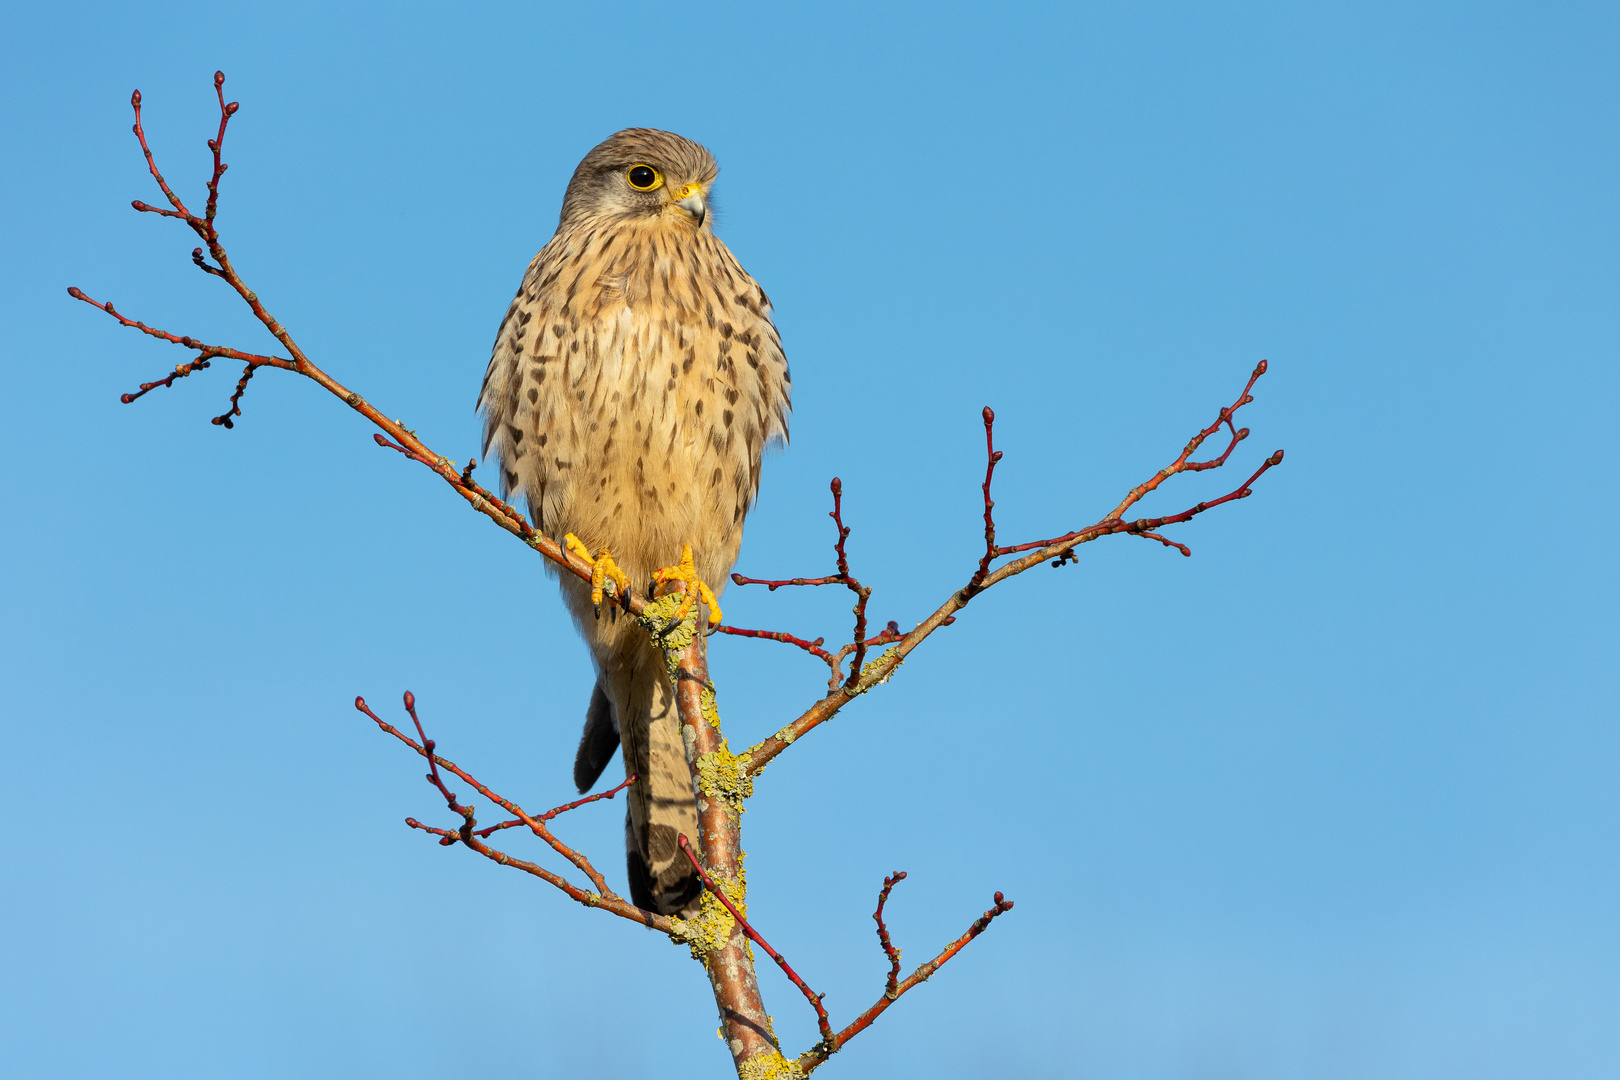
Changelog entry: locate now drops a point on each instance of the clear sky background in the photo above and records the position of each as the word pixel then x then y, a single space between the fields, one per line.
pixel 1336 797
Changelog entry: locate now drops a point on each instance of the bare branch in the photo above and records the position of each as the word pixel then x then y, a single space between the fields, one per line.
pixel 467 835
pixel 1058 548
pixel 816 1055
pixel 992 455
pixel 758 939
pixel 403 439
pixel 891 990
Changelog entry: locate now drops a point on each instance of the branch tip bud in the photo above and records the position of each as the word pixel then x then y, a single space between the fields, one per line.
pixel 219 78
pixel 359 703
pixel 135 99
pixel 989 415
pixel 410 700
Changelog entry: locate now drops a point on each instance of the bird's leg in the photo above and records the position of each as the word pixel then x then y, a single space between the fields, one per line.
pixel 684 571
pixel 603 570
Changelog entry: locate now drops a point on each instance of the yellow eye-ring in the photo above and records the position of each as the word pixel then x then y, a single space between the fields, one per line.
pixel 644 178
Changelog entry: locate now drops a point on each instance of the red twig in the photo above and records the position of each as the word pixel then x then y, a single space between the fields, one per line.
pixel 236 399
pixel 1144 526
pixel 1059 548
pixel 773 585
pixel 202 263
pixel 834 661
pixel 205 353
pixel 821 1051
pixel 862 592
pixel 480 499
pixel 467 835
pixel 217 144
pixel 563 809
pixel 180 371
pixel 992 455
pixel 858 640
pixel 812 647
pixel 891 989
pixel 1183 548
pixel 753 935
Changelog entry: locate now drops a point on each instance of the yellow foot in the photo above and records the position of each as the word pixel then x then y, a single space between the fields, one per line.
pixel 603 569
pixel 684 571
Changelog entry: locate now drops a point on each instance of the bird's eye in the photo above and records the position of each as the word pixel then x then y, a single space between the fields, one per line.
pixel 643 177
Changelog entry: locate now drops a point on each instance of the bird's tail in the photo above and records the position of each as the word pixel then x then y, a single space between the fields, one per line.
pixel 661 803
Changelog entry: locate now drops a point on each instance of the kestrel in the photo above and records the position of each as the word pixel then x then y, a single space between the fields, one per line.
pixel 635 382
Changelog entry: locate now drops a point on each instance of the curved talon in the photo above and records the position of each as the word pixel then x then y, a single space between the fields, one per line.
pixel 603 569
pixel 696 587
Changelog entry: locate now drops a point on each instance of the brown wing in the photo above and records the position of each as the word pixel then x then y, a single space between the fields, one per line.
pixel 523 397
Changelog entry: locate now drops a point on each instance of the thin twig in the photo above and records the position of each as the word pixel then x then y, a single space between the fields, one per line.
pixel 563 809
pixel 754 935
pixel 602 897
pixel 891 990
pixel 480 499
pixel 773 585
pixel 1058 548
pixel 812 647
pixel 819 1053
pixel 180 371
pixel 992 455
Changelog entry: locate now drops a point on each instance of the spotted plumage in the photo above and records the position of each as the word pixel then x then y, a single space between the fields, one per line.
pixel 635 382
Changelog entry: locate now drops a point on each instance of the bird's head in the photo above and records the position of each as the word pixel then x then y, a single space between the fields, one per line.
pixel 640 174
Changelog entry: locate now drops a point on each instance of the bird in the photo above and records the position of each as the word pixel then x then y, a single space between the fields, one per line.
pixel 634 385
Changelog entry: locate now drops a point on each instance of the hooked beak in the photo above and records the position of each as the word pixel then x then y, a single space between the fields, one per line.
pixel 690 199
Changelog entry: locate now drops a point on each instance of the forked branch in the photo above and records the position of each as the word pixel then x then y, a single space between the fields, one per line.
pixel 472 837
pixel 754 935
pixel 819 1053
pixel 1060 549
pixel 213 258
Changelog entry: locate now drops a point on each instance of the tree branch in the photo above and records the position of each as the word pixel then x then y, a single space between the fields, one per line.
pixel 405 440
pixel 758 939
pixel 1058 548
pixel 816 1055
pixel 473 838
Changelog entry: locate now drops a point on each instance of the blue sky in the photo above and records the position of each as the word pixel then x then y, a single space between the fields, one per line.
pixel 1335 797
